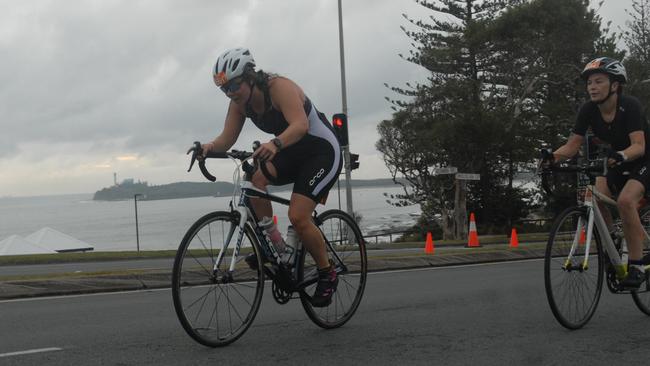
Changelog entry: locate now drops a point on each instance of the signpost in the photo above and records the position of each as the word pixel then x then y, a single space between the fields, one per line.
pixel 460 196
pixel 137 231
pixel 468 176
pixel 445 170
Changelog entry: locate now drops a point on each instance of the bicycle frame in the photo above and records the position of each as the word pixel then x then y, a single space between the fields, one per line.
pixel 247 215
pixel 595 217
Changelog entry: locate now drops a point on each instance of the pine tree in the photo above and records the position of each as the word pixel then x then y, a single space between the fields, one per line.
pixel 504 77
pixel 637 39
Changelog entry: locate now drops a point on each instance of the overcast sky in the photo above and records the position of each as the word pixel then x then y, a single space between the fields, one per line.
pixel 93 87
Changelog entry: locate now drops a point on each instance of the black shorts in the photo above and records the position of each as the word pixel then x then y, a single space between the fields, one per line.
pixel 638 170
pixel 312 164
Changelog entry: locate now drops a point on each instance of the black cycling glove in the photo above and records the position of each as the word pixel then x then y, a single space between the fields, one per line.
pixel 616 156
pixel 547 155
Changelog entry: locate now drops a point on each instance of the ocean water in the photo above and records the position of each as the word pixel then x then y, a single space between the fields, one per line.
pixel 110 226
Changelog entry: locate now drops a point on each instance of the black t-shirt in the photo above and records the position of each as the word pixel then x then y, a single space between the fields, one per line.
pixel 629 118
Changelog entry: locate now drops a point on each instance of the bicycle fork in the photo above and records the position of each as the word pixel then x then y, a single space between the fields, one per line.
pixel 594 217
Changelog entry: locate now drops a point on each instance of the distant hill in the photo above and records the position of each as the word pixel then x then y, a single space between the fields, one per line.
pixel 127 190
pixel 165 191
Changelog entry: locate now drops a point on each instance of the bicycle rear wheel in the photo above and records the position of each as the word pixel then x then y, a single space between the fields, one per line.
pixel 642 298
pixel 216 306
pixel 347 250
pixel 573 290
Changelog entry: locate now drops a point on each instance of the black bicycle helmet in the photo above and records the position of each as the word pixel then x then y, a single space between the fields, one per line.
pixel 605 65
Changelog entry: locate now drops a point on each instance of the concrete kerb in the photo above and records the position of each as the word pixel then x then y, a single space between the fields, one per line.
pixel 14 289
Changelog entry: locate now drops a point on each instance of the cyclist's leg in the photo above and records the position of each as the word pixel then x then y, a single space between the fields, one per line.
pixel 300 210
pixel 627 204
pixel 260 180
pixel 633 191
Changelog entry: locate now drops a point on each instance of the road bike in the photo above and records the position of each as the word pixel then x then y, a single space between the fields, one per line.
pixel 217 294
pixel 581 252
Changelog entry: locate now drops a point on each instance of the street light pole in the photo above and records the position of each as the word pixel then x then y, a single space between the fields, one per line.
pixel 137 231
pixel 346 149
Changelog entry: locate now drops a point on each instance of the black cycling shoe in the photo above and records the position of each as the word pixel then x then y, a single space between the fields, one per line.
pixel 251 260
pixel 634 279
pixel 646 259
pixel 327 283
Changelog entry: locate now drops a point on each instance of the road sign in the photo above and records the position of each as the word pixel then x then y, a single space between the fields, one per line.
pixel 445 170
pixel 468 176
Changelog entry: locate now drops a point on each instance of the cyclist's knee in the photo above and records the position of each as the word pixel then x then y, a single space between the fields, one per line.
pixel 626 202
pixel 259 180
pixel 299 219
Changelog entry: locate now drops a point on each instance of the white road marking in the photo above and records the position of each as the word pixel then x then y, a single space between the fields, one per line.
pixel 30 351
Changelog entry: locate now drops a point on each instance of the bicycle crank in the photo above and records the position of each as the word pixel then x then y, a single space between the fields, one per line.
pixel 280 295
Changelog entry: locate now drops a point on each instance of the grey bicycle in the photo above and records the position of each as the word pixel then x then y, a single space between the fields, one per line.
pixel 581 253
pixel 217 294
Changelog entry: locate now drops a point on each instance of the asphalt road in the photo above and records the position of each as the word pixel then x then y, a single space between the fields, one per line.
pixel 492 314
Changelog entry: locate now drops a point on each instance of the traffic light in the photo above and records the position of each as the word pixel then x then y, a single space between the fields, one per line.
pixel 354 161
pixel 340 124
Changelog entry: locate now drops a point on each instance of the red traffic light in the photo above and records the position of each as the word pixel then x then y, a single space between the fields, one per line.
pixel 340 124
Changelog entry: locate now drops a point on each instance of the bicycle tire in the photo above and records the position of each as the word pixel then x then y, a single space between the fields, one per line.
pixel 573 294
pixel 230 301
pixel 345 238
pixel 642 298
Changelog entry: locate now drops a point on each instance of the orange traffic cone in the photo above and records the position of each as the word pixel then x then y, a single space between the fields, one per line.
pixel 473 235
pixel 428 248
pixel 514 242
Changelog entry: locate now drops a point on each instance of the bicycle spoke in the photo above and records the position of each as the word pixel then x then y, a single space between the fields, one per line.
pixel 220 313
pixel 346 249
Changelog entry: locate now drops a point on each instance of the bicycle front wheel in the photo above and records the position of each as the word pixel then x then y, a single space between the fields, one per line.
pixel 347 249
pixel 214 304
pixel 573 285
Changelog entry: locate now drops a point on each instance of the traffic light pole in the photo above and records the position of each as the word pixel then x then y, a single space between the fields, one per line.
pixel 348 178
pixel 346 149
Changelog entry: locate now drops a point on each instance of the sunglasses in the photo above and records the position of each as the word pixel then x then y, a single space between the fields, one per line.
pixel 231 86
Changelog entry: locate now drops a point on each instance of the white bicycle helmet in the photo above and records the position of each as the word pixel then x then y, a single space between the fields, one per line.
pixel 605 65
pixel 232 64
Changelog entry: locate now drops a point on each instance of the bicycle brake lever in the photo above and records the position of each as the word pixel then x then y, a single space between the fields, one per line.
pixel 196 149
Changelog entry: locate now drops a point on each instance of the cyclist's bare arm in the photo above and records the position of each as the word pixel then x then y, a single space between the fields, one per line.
pixel 570 148
pixel 637 146
pixel 232 128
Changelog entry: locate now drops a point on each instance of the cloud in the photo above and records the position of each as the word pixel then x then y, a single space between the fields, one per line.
pixel 85 81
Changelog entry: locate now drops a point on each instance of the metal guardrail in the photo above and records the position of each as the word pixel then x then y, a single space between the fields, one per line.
pixel 388 234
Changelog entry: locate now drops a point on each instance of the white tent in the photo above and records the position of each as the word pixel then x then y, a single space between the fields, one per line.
pixel 58 241
pixel 17 245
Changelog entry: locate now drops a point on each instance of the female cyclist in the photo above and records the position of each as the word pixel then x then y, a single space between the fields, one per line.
pixel 618 120
pixel 304 150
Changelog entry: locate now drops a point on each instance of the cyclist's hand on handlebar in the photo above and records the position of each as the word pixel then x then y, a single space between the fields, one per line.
pixel 205 149
pixel 614 158
pixel 547 158
pixel 266 151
